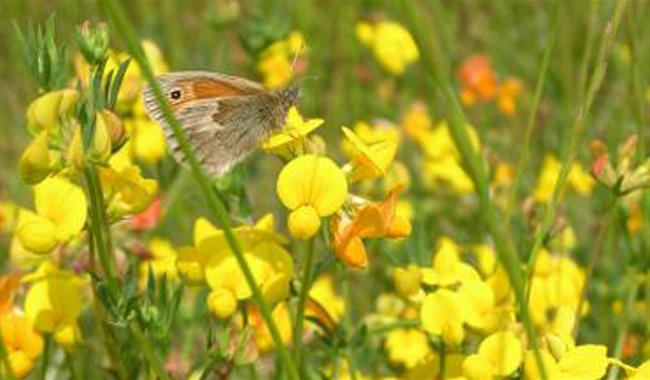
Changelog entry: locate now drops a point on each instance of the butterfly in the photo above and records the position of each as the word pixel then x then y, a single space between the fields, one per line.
pixel 224 117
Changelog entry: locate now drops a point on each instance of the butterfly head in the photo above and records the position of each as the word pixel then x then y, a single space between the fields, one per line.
pixel 288 97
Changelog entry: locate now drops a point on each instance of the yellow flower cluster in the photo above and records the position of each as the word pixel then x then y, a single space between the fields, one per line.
pixel 471 309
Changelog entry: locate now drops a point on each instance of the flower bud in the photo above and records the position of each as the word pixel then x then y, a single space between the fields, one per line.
pixel 101 145
pixel 67 336
pixel 222 303
pixel 35 162
pixel 76 149
pixel 556 345
pixel 276 288
pixel 37 235
pixel 115 127
pixel 92 41
pixel 45 111
pixel 304 222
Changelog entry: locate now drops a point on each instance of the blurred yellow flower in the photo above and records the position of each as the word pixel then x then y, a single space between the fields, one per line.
pixel 580 181
pixel 407 280
pixel 417 122
pixel 499 355
pixel 641 373
pixel 45 112
pixel 391 43
pixel 322 291
pixel 370 152
pixel 291 140
pixel 53 303
pixel 22 343
pixel 222 302
pixel 447 269
pixel 162 261
pixel 61 212
pixel 407 347
pixel 275 61
pixel 449 172
pixel 146 139
pixel 312 187
pixel 369 220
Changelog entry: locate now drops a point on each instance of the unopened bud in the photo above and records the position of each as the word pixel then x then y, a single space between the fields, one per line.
pixel 35 162
pixel 44 112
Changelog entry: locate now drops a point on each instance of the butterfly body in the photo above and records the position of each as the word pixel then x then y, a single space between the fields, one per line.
pixel 224 117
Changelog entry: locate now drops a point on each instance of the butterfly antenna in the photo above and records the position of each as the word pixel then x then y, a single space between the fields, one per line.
pixel 295 57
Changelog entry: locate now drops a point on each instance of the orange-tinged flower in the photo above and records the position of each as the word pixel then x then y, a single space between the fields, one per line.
pixel 8 286
pixel 23 344
pixel 261 333
pixel 478 79
pixel 509 90
pixel 372 220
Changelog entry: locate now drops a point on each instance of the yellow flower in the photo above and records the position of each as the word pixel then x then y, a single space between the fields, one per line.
pixel 270 263
pixel 261 333
pixel 500 354
pixel 585 362
pixel 447 268
pixel 443 314
pixel 35 163
pixel 438 143
pixel 275 62
pixel 481 312
pixel 162 261
pixel 407 347
pixel 45 112
pixel 22 343
pixel 578 179
pixel 370 220
pixel 61 212
pixel 508 92
pixel 407 280
pixel 312 187
pixel 371 155
pixel 125 190
pixel 555 292
pixel 417 122
pixel 448 171
pixel 147 140
pixel 391 43
pixel 222 303
pixel 53 303
pixel 322 292
pixel 291 140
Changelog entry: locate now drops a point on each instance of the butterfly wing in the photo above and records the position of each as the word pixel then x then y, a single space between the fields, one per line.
pixel 223 117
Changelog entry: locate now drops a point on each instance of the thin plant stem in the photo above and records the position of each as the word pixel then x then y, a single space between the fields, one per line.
pixel 118 17
pixel 97 230
pixel 620 339
pixel 45 357
pixel 349 355
pixel 530 126
pixel 302 302
pixel 578 129
pixel 596 253
pixel 69 362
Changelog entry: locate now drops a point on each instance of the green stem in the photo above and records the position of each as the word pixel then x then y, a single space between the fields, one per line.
pixel 118 17
pixel 97 230
pixel 620 340
pixel 578 128
pixel 148 352
pixel 349 354
pixel 308 270
pixel 70 364
pixel 523 158
pixel 45 359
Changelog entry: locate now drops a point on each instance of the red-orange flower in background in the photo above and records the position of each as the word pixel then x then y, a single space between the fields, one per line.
pixel 368 220
pixel 478 79
pixel 147 219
